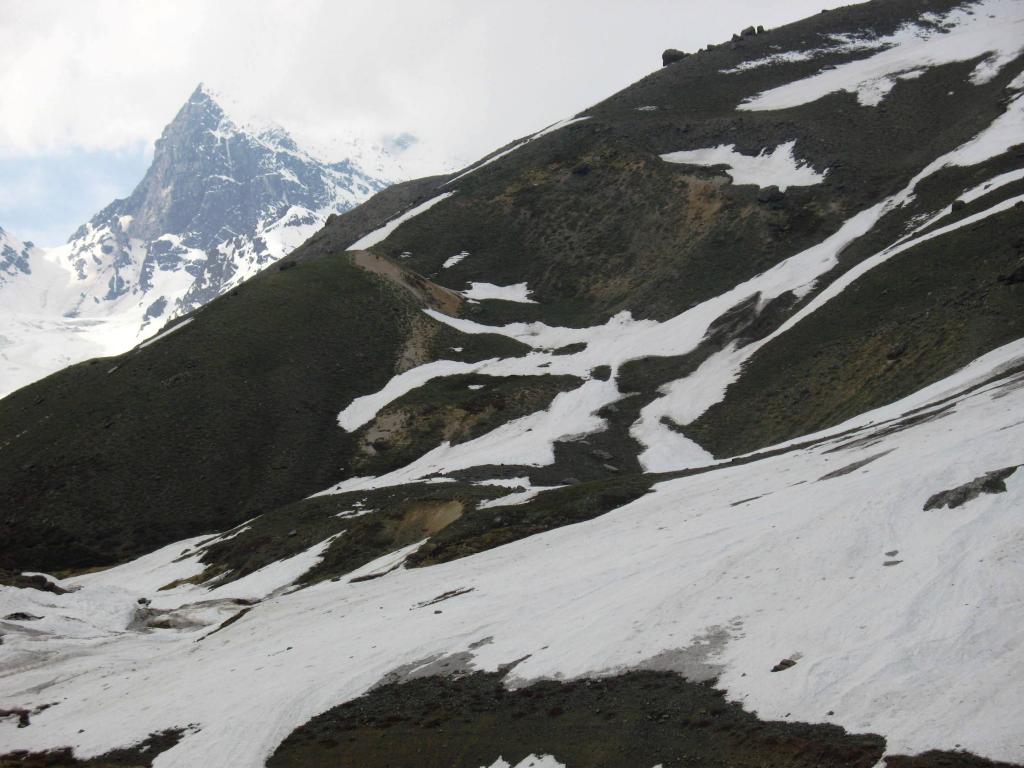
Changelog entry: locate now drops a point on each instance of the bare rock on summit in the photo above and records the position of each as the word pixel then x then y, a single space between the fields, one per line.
pixel 671 56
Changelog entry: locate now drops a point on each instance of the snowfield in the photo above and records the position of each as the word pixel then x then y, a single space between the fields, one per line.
pixel 990 28
pixel 823 554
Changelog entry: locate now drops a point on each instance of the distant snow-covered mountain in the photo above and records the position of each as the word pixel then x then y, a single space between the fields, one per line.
pixel 221 200
pixel 15 256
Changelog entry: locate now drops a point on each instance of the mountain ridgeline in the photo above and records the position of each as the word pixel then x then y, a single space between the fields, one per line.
pixel 743 297
pixel 219 203
pixel 222 199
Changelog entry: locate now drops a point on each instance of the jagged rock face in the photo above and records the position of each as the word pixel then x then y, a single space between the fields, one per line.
pixel 15 256
pixel 218 204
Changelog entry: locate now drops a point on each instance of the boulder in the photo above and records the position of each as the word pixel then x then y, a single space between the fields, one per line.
pixel 671 56
pixel 990 482
pixel 748 32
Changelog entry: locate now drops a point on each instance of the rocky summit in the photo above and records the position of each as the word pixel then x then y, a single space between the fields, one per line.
pixel 685 431
pixel 221 200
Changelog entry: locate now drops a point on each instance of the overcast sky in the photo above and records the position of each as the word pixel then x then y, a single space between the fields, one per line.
pixel 87 86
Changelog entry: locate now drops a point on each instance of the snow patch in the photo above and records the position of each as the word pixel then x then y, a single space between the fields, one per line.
pixel 992 184
pixel 451 261
pixel 166 333
pixel 778 167
pixel 382 233
pixel 517 292
pixel 992 27
pixel 840 44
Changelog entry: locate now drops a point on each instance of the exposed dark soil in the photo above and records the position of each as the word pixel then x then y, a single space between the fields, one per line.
pixel 938 759
pixel 634 719
pixel 495 526
pixel 374 523
pixel 453 409
pixel 139 756
pixel 22 581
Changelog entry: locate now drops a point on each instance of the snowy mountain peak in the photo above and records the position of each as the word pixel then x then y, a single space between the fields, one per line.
pixel 220 201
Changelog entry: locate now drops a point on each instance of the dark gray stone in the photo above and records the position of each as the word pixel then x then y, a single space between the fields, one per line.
pixel 991 482
pixel 671 56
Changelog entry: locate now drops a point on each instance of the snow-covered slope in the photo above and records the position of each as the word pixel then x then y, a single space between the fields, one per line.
pixel 221 200
pixel 36 335
pixel 662 437
pixel 826 555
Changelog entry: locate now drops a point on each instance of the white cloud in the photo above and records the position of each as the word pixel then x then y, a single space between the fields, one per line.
pixel 464 76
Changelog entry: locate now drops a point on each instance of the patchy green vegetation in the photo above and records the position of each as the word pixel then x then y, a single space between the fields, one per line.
pixel 915 319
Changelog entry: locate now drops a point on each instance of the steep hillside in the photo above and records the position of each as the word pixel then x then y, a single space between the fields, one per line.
pixel 685 431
